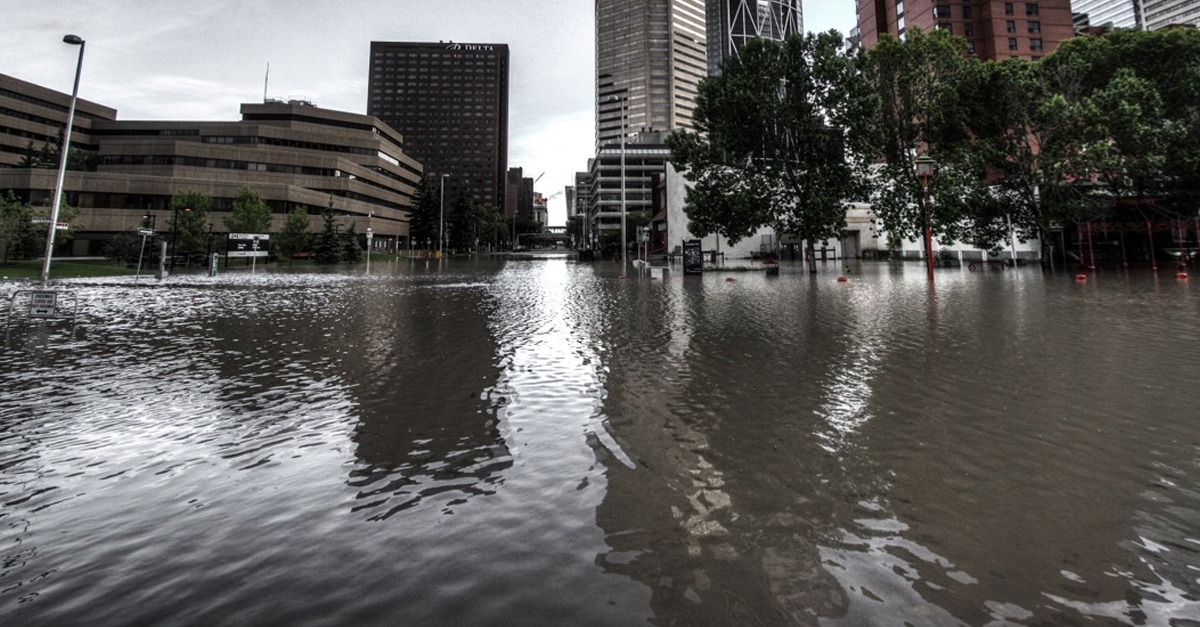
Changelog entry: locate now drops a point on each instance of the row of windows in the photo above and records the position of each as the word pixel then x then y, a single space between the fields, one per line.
pixel 45 104
pixel 252 166
pixel 315 146
pixel 969 29
pixel 944 10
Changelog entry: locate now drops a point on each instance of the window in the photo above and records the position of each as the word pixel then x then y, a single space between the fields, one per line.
pixel 1012 43
pixel 946 26
pixel 941 10
pixel 1035 27
pixel 971 47
pixel 1035 44
pixel 1031 8
pixel 969 30
pixel 1012 26
pixel 1008 8
pixel 966 10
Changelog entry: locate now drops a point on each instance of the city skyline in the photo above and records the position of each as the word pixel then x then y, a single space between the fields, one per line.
pixel 187 61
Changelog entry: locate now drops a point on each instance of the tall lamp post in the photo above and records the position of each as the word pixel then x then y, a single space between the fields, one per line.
pixel 74 40
pixel 623 100
pixel 442 218
pixel 926 167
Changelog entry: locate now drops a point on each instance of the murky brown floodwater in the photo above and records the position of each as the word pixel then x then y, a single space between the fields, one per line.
pixel 544 443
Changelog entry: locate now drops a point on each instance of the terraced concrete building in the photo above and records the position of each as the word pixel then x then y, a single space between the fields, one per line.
pixel 292 154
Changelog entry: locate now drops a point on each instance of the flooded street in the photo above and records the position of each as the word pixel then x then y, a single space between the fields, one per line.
pixel 546 443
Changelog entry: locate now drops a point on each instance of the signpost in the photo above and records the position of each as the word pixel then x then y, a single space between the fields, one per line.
pixel 247 245
pixel 43 303
pixel 144 233
pixel 693 257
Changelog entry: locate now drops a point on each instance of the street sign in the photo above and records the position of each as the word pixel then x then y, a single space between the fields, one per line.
pixel 248 245
pixel 43 304
pixel 60 226
pixel 145 232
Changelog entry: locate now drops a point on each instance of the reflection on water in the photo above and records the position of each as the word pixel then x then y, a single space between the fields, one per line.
pixel 548 443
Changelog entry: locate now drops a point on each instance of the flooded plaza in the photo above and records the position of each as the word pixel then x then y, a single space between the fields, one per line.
pixel 481 442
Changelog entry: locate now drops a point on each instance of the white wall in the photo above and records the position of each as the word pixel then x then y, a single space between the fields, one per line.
pixel 677 224
pixel 858 221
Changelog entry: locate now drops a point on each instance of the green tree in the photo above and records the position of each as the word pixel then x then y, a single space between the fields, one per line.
pixel 423 215
pixel 189 222
pixel 48 155
pixel 295 237
pixel 575 228
pixel 16 226
pixel 250 214
pixel 327 245
pixel 460 224
pixel 771 147
pixel 917 86
pixel 125 246
pixel 351 249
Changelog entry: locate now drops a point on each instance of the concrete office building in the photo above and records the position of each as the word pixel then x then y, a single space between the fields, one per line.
pixel 731 23
pixel 450 102
pixel 650 59
pixel 1164 13
pixel 993 30
pixel 291 154
pixel 646 155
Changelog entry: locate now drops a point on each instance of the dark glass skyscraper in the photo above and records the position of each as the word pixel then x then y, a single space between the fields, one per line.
pixel 450 101
pixel 731 23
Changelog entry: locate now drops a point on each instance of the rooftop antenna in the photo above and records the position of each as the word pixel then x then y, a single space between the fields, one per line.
pixel 266 79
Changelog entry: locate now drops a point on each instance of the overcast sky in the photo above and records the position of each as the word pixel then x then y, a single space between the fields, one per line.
pixel 198 60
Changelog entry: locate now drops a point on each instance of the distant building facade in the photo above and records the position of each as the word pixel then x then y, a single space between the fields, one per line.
pixel 1164 13
pixel 1107 14
pixel 650 59
pixel 732 23
pixel 450 103
pixel 290 154
pixel 992 30
pixel 646 154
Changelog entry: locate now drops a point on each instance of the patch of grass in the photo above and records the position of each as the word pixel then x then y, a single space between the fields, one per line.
pixel 63 269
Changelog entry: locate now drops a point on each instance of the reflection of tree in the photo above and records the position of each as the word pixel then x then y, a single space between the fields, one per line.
pixel 718 517
pixel 428 423
pixel 419 379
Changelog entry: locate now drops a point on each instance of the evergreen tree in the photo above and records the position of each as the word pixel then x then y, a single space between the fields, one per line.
pixel 327 245
pixel 423 215
pixel 351 250
pixel 295 237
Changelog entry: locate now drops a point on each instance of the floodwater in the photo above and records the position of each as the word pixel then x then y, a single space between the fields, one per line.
pixel 547 443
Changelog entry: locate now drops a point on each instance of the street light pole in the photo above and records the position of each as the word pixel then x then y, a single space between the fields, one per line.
pixel 370 215
pixel 624 100
pixel 925 170
pixel 442 219
pixel 74 40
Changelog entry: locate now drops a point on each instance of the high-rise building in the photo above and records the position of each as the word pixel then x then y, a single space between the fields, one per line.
pixel 450 102
pixel 993 30
pixel 1107 13
pixel 650 59
pixel 731 23
pixel 1163 13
